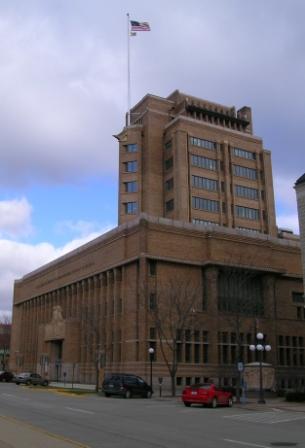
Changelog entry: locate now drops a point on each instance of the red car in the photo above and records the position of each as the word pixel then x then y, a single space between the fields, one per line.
pixel 206 394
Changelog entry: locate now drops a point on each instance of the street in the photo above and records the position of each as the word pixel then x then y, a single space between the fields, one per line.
pixel 100 422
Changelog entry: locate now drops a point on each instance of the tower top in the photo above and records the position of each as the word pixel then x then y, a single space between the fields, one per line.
pixel 301 180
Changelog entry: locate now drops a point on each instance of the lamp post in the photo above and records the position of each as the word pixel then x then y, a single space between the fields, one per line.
pixel 151 352
pixel 260 347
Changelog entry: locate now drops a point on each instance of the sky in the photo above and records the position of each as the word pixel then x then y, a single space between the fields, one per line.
pixel 63 89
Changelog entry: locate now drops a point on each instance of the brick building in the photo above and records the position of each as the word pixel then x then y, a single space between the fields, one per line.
pixel 196 205
pixel 300 192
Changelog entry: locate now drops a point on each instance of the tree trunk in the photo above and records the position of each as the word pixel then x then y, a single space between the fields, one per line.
pixel 173 384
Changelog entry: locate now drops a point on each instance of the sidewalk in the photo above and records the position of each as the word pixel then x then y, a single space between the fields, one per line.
pixel 16 434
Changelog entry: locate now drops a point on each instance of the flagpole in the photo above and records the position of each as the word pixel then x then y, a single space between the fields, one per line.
pixel 128 70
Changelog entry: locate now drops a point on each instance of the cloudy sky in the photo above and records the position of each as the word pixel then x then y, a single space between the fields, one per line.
pixel 63 96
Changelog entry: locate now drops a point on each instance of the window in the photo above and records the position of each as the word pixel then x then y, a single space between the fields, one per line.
pixel 131 167
pixel 243 171
pixel 247 213
pixel 207 144
pixel 204 162
pixel 169 184
pixel 119 306
pixel 169 163
pixel 247 229
pixel 246 192
pixel 131 187
pixel 240 291
pixel 297 297
pixel 179 381
pixel 152 301
pixel 152 267
pixel 152 333
pixel 131 208
pixel 169 205
pixel 238 152
pixel 204 183
pixel 168 145
pixel 131 147
pixel 204 222
pixel 207 205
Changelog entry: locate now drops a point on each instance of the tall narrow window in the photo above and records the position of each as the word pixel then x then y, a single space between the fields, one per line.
pixel 152 267
pixel 131 167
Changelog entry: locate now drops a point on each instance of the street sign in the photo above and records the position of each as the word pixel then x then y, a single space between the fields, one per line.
pixel 240 366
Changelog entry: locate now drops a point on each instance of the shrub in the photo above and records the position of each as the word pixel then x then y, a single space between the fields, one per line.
pixel 295 396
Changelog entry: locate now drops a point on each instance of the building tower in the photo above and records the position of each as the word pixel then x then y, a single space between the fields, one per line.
pixel 191 160
pixel 300 192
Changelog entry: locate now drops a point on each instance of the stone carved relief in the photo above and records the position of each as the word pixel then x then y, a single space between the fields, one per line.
pixel 56 329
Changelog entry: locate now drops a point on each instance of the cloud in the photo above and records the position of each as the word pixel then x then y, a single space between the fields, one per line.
pixel 287 215
pixel 18 259
pixel 15 218
pixel 80 228
pixel 55 96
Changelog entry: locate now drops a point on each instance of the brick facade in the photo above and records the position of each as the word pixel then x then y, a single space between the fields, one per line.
pixel 97 303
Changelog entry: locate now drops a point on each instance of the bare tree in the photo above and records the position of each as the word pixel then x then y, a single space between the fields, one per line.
pixel 5 335
pixel 173 314
pixel 94 339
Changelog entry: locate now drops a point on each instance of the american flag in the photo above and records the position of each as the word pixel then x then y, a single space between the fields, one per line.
pixel 139 26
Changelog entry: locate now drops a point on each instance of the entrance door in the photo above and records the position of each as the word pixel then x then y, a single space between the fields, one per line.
pixel 56 350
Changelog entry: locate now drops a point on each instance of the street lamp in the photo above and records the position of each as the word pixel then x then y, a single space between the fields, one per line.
pixel 260 347
pixel 151 352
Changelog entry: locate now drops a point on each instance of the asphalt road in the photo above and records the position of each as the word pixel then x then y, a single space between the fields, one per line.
pixel 100 422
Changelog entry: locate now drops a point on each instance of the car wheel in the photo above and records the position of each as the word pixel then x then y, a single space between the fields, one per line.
pixel 17 383
pixel 187 404
pixel 230 402
pixel 45 383
pixel 107 394
pixel 214 403
pixel 127 394
pixel 28 383
pixel 148 394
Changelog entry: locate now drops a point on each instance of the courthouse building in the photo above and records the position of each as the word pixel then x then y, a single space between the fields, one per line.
pixel 195 202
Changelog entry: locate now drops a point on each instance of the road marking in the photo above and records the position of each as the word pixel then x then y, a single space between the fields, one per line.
pixel 268 418
pixel 239 442
pixel 287 420
pixel 79 410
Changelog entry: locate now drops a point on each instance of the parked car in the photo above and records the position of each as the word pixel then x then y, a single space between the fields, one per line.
pixel 6 376
pixel 206 394
pixel 126 385
pixel 29 378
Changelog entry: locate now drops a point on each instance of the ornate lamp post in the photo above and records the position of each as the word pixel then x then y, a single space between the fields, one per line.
pixel 151 352
pixel 260 347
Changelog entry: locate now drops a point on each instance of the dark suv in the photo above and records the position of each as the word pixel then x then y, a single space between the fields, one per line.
pixel 126 385
pixel 6 376
pixel 29 378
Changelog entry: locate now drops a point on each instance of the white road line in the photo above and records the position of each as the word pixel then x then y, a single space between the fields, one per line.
pixel 287 420
pixel 15 397
pixel 252 414
pixel 79 410
pixel 239 442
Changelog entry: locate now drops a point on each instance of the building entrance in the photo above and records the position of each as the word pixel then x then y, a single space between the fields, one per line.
pixel 56 360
